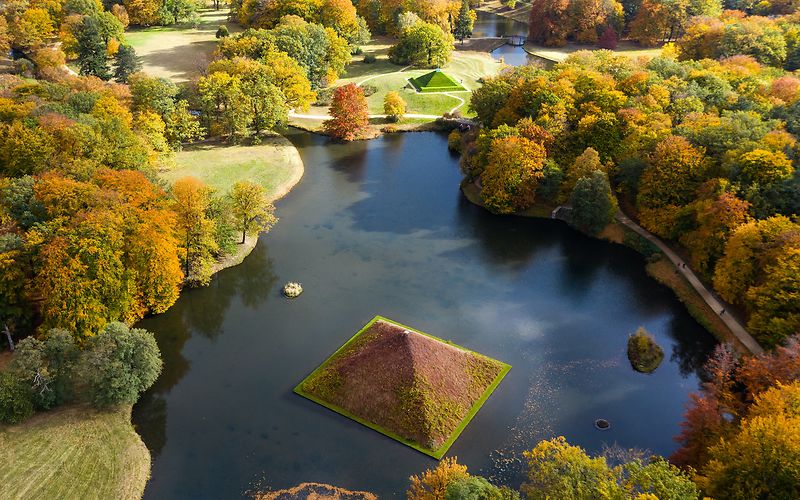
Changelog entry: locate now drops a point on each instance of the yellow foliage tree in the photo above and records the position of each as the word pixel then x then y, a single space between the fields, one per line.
pixel 432 484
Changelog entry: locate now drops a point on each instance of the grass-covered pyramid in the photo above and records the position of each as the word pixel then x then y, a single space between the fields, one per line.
pixel 436 81
pixel 410 386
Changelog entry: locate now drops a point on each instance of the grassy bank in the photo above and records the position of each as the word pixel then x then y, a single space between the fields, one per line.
pixel 73 452
pixel 275 164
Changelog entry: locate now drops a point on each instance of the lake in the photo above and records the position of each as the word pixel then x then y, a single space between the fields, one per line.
pixel 380 227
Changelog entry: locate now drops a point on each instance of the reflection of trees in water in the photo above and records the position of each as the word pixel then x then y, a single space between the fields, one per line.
pixel 203 311
pixel 252 281
pixel 504 240
pixel 693 345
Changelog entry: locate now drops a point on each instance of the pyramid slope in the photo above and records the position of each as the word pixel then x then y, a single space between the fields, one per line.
pixel 436 81
pixel 408 385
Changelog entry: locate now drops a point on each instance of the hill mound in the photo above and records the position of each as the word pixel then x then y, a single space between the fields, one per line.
pixel 436 81
pixel 406 384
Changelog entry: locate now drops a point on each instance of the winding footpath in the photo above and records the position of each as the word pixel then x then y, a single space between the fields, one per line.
pixel 733 325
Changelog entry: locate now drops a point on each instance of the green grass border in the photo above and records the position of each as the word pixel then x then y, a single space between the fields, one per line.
pixel 422 90
pixel 438 453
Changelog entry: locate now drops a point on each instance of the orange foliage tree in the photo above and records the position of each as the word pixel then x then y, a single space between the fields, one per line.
pixel 349 113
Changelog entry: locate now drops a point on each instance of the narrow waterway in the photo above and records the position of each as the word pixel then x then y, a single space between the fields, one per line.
pixel 380 227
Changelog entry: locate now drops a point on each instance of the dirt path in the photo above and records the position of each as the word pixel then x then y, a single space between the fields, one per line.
pixel 732 323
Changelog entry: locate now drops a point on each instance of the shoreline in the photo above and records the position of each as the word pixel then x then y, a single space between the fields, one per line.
pixel 244 249
pixel 662 270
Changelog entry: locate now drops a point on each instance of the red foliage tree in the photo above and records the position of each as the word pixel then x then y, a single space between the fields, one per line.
pixel 349 113
pixel 608 40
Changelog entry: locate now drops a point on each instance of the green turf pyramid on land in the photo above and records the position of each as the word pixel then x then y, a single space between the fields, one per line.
pixel 436 81
pixel 408 385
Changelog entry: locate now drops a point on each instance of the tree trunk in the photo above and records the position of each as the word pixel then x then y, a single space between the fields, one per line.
pixel 8 336
pixel 244 229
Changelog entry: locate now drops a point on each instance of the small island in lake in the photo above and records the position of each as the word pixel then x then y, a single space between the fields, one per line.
pixel 643 352
pixel 410 386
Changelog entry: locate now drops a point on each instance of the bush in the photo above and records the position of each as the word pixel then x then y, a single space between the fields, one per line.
pixel 324 97
pixel 369 59
pixel 369 89
pixel 120 364
pixel 454 141
pixel 222 31
pixel 16 399
pixel 643 352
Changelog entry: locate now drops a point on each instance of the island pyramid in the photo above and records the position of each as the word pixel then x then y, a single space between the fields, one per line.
pixel 406 384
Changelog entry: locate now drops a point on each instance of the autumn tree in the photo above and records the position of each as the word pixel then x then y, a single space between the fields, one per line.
pixel 394 106
pixel 433 484
pixel 191 201
pixel 349 113
pixel 717 215
pixel 763 458
pixel 558 470
pixel 651 24
pixel 514 169
pixel 423 45
pixel 546 25
pixel 251 209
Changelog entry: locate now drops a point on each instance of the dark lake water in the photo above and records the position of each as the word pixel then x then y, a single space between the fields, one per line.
pixel 380 227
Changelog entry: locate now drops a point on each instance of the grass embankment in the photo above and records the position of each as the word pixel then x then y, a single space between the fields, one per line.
pixel 73 452
pixel 558 54
pixel 179 52
pixel 275 164
pixel 663 271
pixel 405 384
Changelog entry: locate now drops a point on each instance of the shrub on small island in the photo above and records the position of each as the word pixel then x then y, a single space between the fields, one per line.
pixel 643 352
pixel 292 289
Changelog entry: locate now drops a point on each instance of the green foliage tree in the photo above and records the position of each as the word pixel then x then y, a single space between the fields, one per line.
pixel 593 203
pixel 125 63
pixel 92 57
pixel 251 209
pixel 464 22
pixel 477 488
pixel 16 399
pixel 120 364
pixel 424 45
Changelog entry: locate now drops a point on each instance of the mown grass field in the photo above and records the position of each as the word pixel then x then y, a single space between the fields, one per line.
pixel 179 52
pixel 275 164
pixel 73 452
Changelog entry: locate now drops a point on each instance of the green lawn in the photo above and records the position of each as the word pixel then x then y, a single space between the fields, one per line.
pixel 73 452
pixel 179 52
pixel 465 67
pixel 275 164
